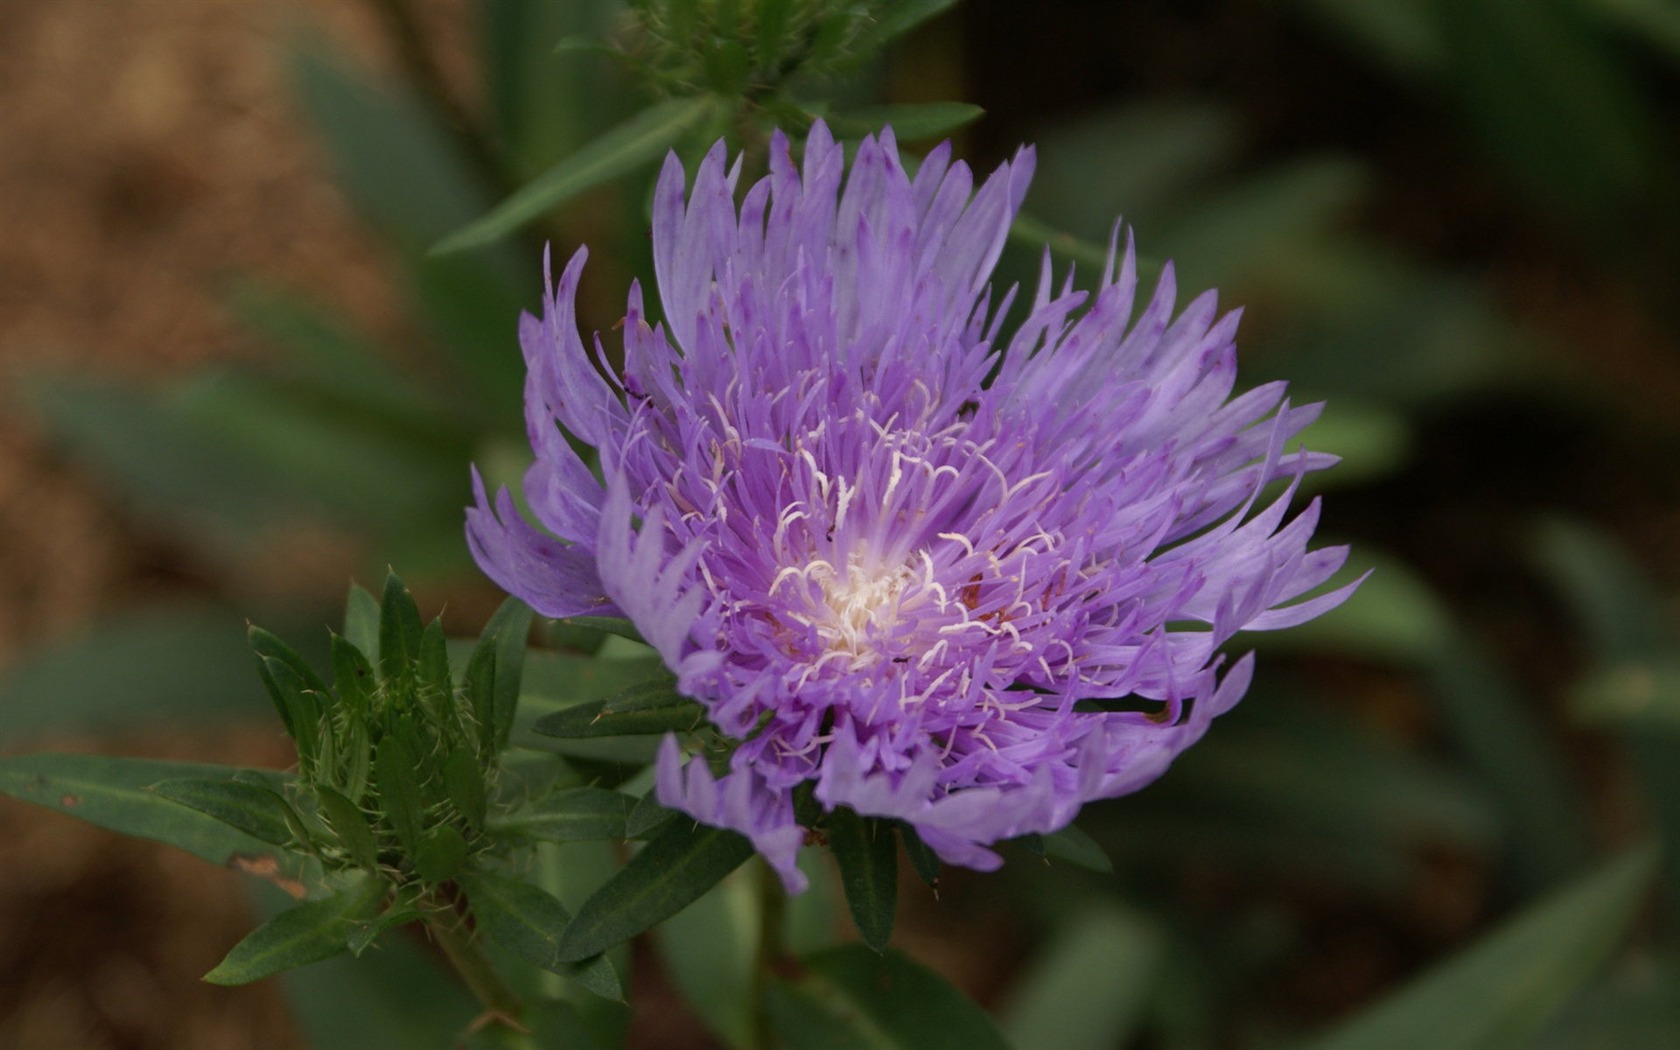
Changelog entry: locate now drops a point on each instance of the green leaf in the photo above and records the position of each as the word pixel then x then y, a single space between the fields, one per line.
pixel 868 857
pixel 307 933
pixel 432 662
pixel 463 782
pixel 676 866
pixel 401 991
pixel 896 19
pixel 1501 992
pixel 114 793
pixel 269 647
pixel 614 625
pixel 1085 989
pixel 128 669
pixel 546 108
pixel 649 708
pixel 851 998
pixel 646 816
pixel 530 923
pixel 333 362
pixel 299 707
pixel 1486 716
pixel 478 684
pixel 361 622
pixel 400 631
pixel 347 464
pixel 637 141
pixel 923 860
pixel 441 855
pixel 164 466
pixel 510 628
pixel 571 815
pixel 353 677
pixel 709 951
pixel 350 825
pixel 1636 1005
pixel 911 121
pixel 1635 683
pixel 395 777
pixel 1076 847
pixel 251 808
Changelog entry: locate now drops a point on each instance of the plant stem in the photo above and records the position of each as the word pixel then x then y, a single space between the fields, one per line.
pixel 772 926
pixel 476 970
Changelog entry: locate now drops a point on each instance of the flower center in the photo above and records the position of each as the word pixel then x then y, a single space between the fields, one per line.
pixel 863 603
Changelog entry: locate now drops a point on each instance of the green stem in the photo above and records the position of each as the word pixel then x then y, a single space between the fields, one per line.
pixel 476 970
pixel 772 927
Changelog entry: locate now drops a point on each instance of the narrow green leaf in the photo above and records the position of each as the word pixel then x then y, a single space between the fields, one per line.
pixel 1501 992
pixel 911 121
pixel 432 661
pixel 349 824
pixel 850 997
pixel 251 808
pixel 676 866
pixel 1636 686
pixel 571 815
pixel 332 362
pixel 163 465
pixel 1085 989
pixel 530 923
pixel 400 630
pixel 546 108
pixel 772 29
pixel 463 782
pixel 899 18
pixel 868 858
pixel 478 684
pixel 299 706
pixel 652 707
pixel 511 629
pixel 113 793
pixel 270 648
pixel 637 141
pixel 394 775
pixel 353 676
pixel 614 625
pixel 361 622
pixel 345 462
pixel 1486 716
pixel 307 933
pixel 127 669
pixel 647 815
pixel 1076 847
pixel 923 860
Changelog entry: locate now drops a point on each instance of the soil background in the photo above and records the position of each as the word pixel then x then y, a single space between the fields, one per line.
pixel 150 151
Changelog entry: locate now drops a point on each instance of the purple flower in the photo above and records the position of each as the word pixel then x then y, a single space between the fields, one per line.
pixel 964 584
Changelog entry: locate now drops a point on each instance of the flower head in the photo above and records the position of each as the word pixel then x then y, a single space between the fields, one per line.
pixel 966 583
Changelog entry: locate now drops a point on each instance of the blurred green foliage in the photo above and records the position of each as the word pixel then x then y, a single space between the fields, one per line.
pixel 1559 109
